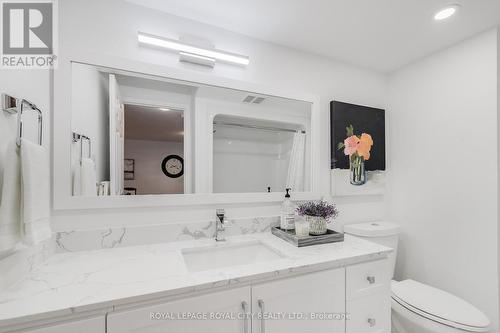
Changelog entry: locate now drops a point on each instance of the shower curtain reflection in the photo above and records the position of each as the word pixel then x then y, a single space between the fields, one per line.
pixel 295 177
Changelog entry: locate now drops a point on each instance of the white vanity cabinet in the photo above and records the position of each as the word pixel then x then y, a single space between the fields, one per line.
pixel 187 315
pixel 90 325
pixel 308 303
pixel 368 299
pixel 316 294
pixel 316 302
pixel 311 302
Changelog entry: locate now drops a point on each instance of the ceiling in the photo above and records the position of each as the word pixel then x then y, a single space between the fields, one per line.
pixel 151 124
pixel 383 35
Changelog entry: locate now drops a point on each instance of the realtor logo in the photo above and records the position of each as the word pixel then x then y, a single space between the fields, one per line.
pixel 28 34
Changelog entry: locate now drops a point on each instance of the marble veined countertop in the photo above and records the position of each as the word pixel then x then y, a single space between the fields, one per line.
pixel 69 283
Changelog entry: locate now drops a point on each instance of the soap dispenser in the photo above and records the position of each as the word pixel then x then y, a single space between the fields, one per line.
pixel 287 221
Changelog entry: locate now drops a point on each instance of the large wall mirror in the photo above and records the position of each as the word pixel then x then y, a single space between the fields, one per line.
pixel 137 134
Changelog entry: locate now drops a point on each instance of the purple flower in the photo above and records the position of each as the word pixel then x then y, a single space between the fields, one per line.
pixel 320 209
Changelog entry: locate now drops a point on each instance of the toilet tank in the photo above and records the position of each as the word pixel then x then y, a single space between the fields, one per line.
pixel 380 232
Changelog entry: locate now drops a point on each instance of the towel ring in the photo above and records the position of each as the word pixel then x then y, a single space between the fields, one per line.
pixel 20 122
pixel 80 137
pixel 13 105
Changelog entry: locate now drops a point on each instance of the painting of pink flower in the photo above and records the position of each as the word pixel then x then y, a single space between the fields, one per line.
pixel 365 145
pixel 351 145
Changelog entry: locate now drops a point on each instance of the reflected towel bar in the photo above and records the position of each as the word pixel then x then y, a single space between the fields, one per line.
pixel 14 105
pixel 80 137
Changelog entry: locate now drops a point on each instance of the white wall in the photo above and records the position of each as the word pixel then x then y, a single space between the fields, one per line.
pixel 90 116
pixel 148 156
pixel 498 157
pixel 442 170
pixel 270 65
pixel 153 95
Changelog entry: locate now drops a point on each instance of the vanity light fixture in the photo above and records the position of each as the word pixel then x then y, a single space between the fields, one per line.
pixel 192 53
pixel 446 12
pixel 196 59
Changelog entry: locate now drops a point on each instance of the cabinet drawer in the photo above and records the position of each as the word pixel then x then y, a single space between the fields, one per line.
pixel 370 314
pixel 367 279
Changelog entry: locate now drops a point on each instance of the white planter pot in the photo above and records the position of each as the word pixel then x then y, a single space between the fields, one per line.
pixel 317 225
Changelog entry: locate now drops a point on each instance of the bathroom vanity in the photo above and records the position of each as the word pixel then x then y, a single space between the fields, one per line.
pixel 252 282
pixel 174 287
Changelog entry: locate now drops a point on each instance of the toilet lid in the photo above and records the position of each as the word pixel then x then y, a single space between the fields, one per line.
pixel 438 305
pixel 373 229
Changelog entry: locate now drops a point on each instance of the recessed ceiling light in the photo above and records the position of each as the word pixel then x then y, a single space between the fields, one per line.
pixel 446 12
pixel 164 109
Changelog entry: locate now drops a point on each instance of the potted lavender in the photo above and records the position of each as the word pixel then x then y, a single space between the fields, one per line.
pixel 317 214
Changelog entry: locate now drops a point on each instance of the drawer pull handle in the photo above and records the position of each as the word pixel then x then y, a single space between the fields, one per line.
pixel 244 307
pixel 261 305
pixel 372 322
pixel 371 279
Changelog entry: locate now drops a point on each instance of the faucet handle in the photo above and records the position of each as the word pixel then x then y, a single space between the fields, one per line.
pixel 220 225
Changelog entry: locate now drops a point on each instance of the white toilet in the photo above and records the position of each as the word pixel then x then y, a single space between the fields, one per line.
pixel 416 307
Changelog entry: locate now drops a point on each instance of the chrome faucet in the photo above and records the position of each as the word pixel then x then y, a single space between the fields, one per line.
pixel 220 227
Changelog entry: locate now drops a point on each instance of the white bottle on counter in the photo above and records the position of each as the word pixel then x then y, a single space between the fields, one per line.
pixel 287 220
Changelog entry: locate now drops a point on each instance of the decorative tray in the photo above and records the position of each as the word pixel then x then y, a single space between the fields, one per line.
pixel 289 236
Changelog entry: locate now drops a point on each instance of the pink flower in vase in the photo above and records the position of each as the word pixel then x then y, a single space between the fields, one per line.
pixel 365 145
pixel 351 145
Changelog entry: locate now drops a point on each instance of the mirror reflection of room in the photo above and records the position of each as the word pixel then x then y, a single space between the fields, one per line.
pixel 136 134
pixel 153 135
pixel 257 155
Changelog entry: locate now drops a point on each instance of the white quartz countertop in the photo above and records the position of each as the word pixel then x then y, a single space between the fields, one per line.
pixel 69 283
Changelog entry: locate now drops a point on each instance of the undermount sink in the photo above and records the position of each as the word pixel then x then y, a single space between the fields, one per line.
pixel 225 255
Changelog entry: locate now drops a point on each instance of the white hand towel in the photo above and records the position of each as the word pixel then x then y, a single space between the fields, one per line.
pixel 88 178
pixel 35 193
pixel 10 202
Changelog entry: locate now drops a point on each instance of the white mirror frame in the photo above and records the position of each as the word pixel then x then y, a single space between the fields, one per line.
pixel 61 140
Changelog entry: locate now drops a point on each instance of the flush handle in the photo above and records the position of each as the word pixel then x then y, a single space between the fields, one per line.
pixel 372 322
pixel 371 279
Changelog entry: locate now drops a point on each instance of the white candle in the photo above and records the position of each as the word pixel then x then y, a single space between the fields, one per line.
pixel 301 226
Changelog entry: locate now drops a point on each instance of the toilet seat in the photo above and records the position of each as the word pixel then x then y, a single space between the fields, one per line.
pixel 438 306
